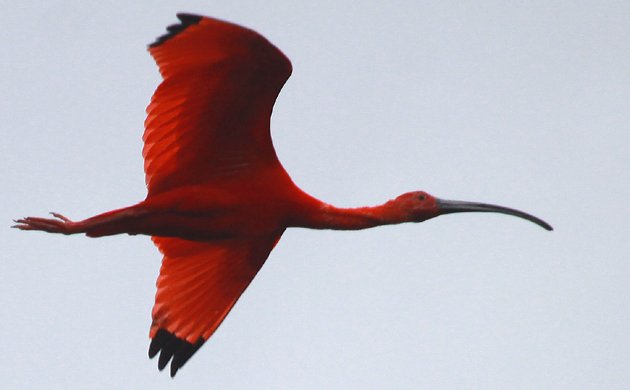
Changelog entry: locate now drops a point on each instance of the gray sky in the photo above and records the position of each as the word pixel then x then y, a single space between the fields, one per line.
pixel 523 104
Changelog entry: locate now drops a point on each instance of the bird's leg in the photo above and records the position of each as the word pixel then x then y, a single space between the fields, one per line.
pixel 112 222
pixel 59 224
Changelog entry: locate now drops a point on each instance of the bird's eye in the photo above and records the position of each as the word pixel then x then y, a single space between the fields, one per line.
pixel 422 197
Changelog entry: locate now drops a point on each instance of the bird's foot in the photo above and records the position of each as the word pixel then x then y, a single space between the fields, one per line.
pixel 60 224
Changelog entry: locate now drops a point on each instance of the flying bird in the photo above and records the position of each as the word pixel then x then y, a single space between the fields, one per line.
pixel 218 199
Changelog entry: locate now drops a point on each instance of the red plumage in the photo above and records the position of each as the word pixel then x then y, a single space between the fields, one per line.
pixel 218 198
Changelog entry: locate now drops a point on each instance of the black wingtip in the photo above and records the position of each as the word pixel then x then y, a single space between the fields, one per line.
pixel 174 29
pixel 171 346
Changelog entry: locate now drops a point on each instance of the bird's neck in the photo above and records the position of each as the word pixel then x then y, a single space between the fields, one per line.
pixel 331 217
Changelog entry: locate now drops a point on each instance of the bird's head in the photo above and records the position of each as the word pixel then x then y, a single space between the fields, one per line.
pixel 419 206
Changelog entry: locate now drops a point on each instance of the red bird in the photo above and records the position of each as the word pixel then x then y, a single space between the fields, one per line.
pixel 218 198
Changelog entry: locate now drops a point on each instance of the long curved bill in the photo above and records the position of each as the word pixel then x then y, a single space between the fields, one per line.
pixel 457 206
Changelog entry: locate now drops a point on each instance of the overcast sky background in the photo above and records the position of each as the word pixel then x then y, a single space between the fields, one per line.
pixel 524 104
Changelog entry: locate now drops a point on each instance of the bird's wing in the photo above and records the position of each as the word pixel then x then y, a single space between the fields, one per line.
pixel 199 283
pixel 209 118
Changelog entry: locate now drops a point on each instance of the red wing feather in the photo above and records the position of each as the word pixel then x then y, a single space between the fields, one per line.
pixel 199 283
pixel 209 118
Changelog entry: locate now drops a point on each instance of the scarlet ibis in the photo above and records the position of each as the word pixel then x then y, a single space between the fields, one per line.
pixel 218 198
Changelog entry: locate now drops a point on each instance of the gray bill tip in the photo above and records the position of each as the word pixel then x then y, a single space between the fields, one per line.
pixel 457 206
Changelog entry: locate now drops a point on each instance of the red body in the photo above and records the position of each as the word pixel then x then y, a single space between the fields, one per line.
pixel 218 198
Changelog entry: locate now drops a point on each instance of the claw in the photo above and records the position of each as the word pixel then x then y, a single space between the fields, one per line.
pixel 60 225
pixel 61 217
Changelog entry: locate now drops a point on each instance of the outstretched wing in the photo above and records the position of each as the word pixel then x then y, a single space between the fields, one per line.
pixel 209 118
pixel 199 283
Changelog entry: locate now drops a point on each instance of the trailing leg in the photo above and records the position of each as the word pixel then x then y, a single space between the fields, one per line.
pixel 106 224
pixel 59 224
